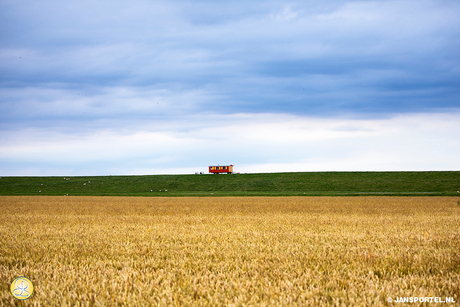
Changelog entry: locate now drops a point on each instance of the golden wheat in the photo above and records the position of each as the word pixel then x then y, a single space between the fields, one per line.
pixel 337 251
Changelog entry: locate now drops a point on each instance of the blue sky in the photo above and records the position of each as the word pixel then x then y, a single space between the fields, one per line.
pixel 163 87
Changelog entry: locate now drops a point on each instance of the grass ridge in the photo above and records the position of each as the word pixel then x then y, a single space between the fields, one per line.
pixel 432 183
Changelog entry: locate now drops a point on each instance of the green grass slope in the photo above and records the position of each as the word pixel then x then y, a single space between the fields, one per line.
pixel 261 184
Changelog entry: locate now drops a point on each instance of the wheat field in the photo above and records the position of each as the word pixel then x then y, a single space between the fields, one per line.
pixel 236 251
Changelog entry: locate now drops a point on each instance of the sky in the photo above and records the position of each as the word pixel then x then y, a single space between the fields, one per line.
pixel 171 87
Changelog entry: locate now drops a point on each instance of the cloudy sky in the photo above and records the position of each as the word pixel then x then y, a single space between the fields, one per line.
pixel 164 87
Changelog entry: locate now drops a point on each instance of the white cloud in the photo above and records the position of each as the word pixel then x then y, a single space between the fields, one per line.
pixel 287 14
pixel 110 87
pixel 253 142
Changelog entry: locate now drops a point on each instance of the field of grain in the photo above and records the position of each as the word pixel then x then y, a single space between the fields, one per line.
pixel 240 251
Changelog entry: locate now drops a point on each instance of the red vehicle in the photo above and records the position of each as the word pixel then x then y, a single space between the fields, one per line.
pixel 221 169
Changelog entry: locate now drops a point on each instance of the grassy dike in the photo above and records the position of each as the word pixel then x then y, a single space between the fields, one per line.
pixel 445 183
